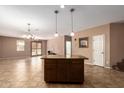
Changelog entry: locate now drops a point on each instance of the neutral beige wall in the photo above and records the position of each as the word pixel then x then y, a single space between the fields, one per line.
pixel 117 42
pixel 114 43
pixel 44 47
pixel 8 48
pixel 56 45
pixel 104 29
pixel 0 48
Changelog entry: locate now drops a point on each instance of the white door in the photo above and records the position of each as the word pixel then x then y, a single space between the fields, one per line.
pixel 68 48
pixel 98 50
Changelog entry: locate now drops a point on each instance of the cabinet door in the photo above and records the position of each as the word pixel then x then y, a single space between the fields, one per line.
pixel 76 71
pixel 50 71
pixel 62 71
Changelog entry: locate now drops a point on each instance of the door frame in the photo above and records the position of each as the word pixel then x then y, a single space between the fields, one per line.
pixel 103 50
pixel 67 38
pixel 31 48
pixel 66 48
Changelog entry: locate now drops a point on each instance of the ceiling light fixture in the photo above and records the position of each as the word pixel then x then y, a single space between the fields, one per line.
pixel 56 34
pixel 72 10
pixel 30 35
pixel 29 31
pixel 62 6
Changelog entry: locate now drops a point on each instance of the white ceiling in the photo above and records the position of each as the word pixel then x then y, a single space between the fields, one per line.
pixel 14 19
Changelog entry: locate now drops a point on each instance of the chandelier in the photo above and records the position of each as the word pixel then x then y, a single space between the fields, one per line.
pixel 30 35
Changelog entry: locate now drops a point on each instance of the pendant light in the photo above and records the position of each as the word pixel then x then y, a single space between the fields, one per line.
pixel 72 10
pixel 56 12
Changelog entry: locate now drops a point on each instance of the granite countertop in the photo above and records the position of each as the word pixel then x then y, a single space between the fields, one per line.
pixel 63 57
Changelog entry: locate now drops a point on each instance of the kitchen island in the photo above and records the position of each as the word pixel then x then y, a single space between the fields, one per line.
pixel 69 69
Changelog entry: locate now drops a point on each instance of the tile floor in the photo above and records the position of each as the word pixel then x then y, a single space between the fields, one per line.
pixel 28 73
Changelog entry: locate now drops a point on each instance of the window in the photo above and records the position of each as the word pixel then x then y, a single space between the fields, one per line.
pixel 20 45
pixel 36 48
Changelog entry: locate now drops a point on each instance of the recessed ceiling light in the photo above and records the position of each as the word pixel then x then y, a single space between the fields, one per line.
pixel 62 6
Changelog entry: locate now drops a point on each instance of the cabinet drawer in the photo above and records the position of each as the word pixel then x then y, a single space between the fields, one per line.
pixel 50 61
pixel 74 61
pixel 61 61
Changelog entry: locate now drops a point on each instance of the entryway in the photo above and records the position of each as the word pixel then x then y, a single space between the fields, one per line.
pixel 68 48
pixel 35 48
pixel 99 50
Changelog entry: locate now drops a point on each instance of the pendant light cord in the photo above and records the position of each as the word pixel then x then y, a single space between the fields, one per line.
pixel 72 10
pixel 72 21
pixel 56 12
pixel 56 22
pixel 29 27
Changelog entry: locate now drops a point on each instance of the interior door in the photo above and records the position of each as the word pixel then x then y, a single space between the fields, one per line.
pixel 68 48
pixel 98 50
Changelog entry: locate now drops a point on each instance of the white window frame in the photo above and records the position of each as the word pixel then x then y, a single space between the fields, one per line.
pixel 20 45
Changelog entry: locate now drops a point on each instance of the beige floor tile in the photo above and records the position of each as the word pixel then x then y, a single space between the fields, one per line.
pixel 28 73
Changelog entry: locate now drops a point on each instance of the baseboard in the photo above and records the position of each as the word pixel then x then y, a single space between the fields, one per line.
pixel 107 67
pixel 14 58
pixel 88 63
pixel 96 65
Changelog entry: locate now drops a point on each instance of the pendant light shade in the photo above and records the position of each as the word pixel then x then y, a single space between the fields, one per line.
pixel 56 34
pixel 72 34
pixel 72 10
pixel 56 12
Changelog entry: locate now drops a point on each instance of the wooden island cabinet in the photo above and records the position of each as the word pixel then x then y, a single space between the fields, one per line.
pixel 64 69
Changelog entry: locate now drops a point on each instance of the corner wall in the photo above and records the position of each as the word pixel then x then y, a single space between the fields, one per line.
pixel 44 47
pixel 116 42
pixel 0 48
